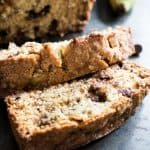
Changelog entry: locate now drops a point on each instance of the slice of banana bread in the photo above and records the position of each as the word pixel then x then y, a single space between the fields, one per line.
pixel 69 115
pixel 39 65
pixel 29 19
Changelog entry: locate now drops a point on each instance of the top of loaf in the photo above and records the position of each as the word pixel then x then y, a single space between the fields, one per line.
pixel 35 47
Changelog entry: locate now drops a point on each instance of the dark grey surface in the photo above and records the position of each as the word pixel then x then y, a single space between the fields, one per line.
pixel 135 133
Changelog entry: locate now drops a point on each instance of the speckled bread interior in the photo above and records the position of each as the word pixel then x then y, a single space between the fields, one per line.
pixel 69 115
pixel 29 19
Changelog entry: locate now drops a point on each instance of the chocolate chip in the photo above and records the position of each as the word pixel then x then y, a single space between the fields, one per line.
pixel 106 60
pixel 45 10
pixel 97 94
pixel 53 25
pixel 17 98
pixel 92 89
pixel 83 17
pixel 126 92
pixel 120 64
pixel 3 33
pixel 20 37
pixel 99 98
pixel 78 100
pixel 138 50
pixel 34 15
pixel 101 95
pixel 36 28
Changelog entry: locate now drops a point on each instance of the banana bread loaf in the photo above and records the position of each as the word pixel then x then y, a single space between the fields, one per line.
pixel 36 65
pixel 29 19
pixel 69 115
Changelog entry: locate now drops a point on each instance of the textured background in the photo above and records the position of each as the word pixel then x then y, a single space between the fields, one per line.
pixel 135 133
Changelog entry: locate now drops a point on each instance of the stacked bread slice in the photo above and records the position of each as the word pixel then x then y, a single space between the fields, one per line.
pixel 67 115
pixel 35 65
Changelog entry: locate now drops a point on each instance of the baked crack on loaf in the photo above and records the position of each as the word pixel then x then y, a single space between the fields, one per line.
pixel 21 20
pixel 69 115
pixel 35 65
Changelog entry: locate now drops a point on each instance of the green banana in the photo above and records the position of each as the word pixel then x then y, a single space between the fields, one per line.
pixel 121 6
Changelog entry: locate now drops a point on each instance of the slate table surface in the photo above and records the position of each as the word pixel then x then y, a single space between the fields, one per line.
pixel 135 133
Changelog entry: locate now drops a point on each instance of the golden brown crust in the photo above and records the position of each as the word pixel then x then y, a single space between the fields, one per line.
pixel 54 63
pixel 104 101
pixel 22 20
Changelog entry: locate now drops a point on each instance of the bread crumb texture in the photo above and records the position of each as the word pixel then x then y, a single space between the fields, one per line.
pixel 79 101
pixel 23 20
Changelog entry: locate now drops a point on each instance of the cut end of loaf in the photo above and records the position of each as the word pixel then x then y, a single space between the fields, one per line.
pixel 22 21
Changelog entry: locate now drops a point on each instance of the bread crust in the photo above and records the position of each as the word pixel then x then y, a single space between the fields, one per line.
pixel 36 65
pixel 21 21
pixel 75 133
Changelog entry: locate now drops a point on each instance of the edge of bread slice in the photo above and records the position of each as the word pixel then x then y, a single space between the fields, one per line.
pixel 69 115
pixel 35 65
